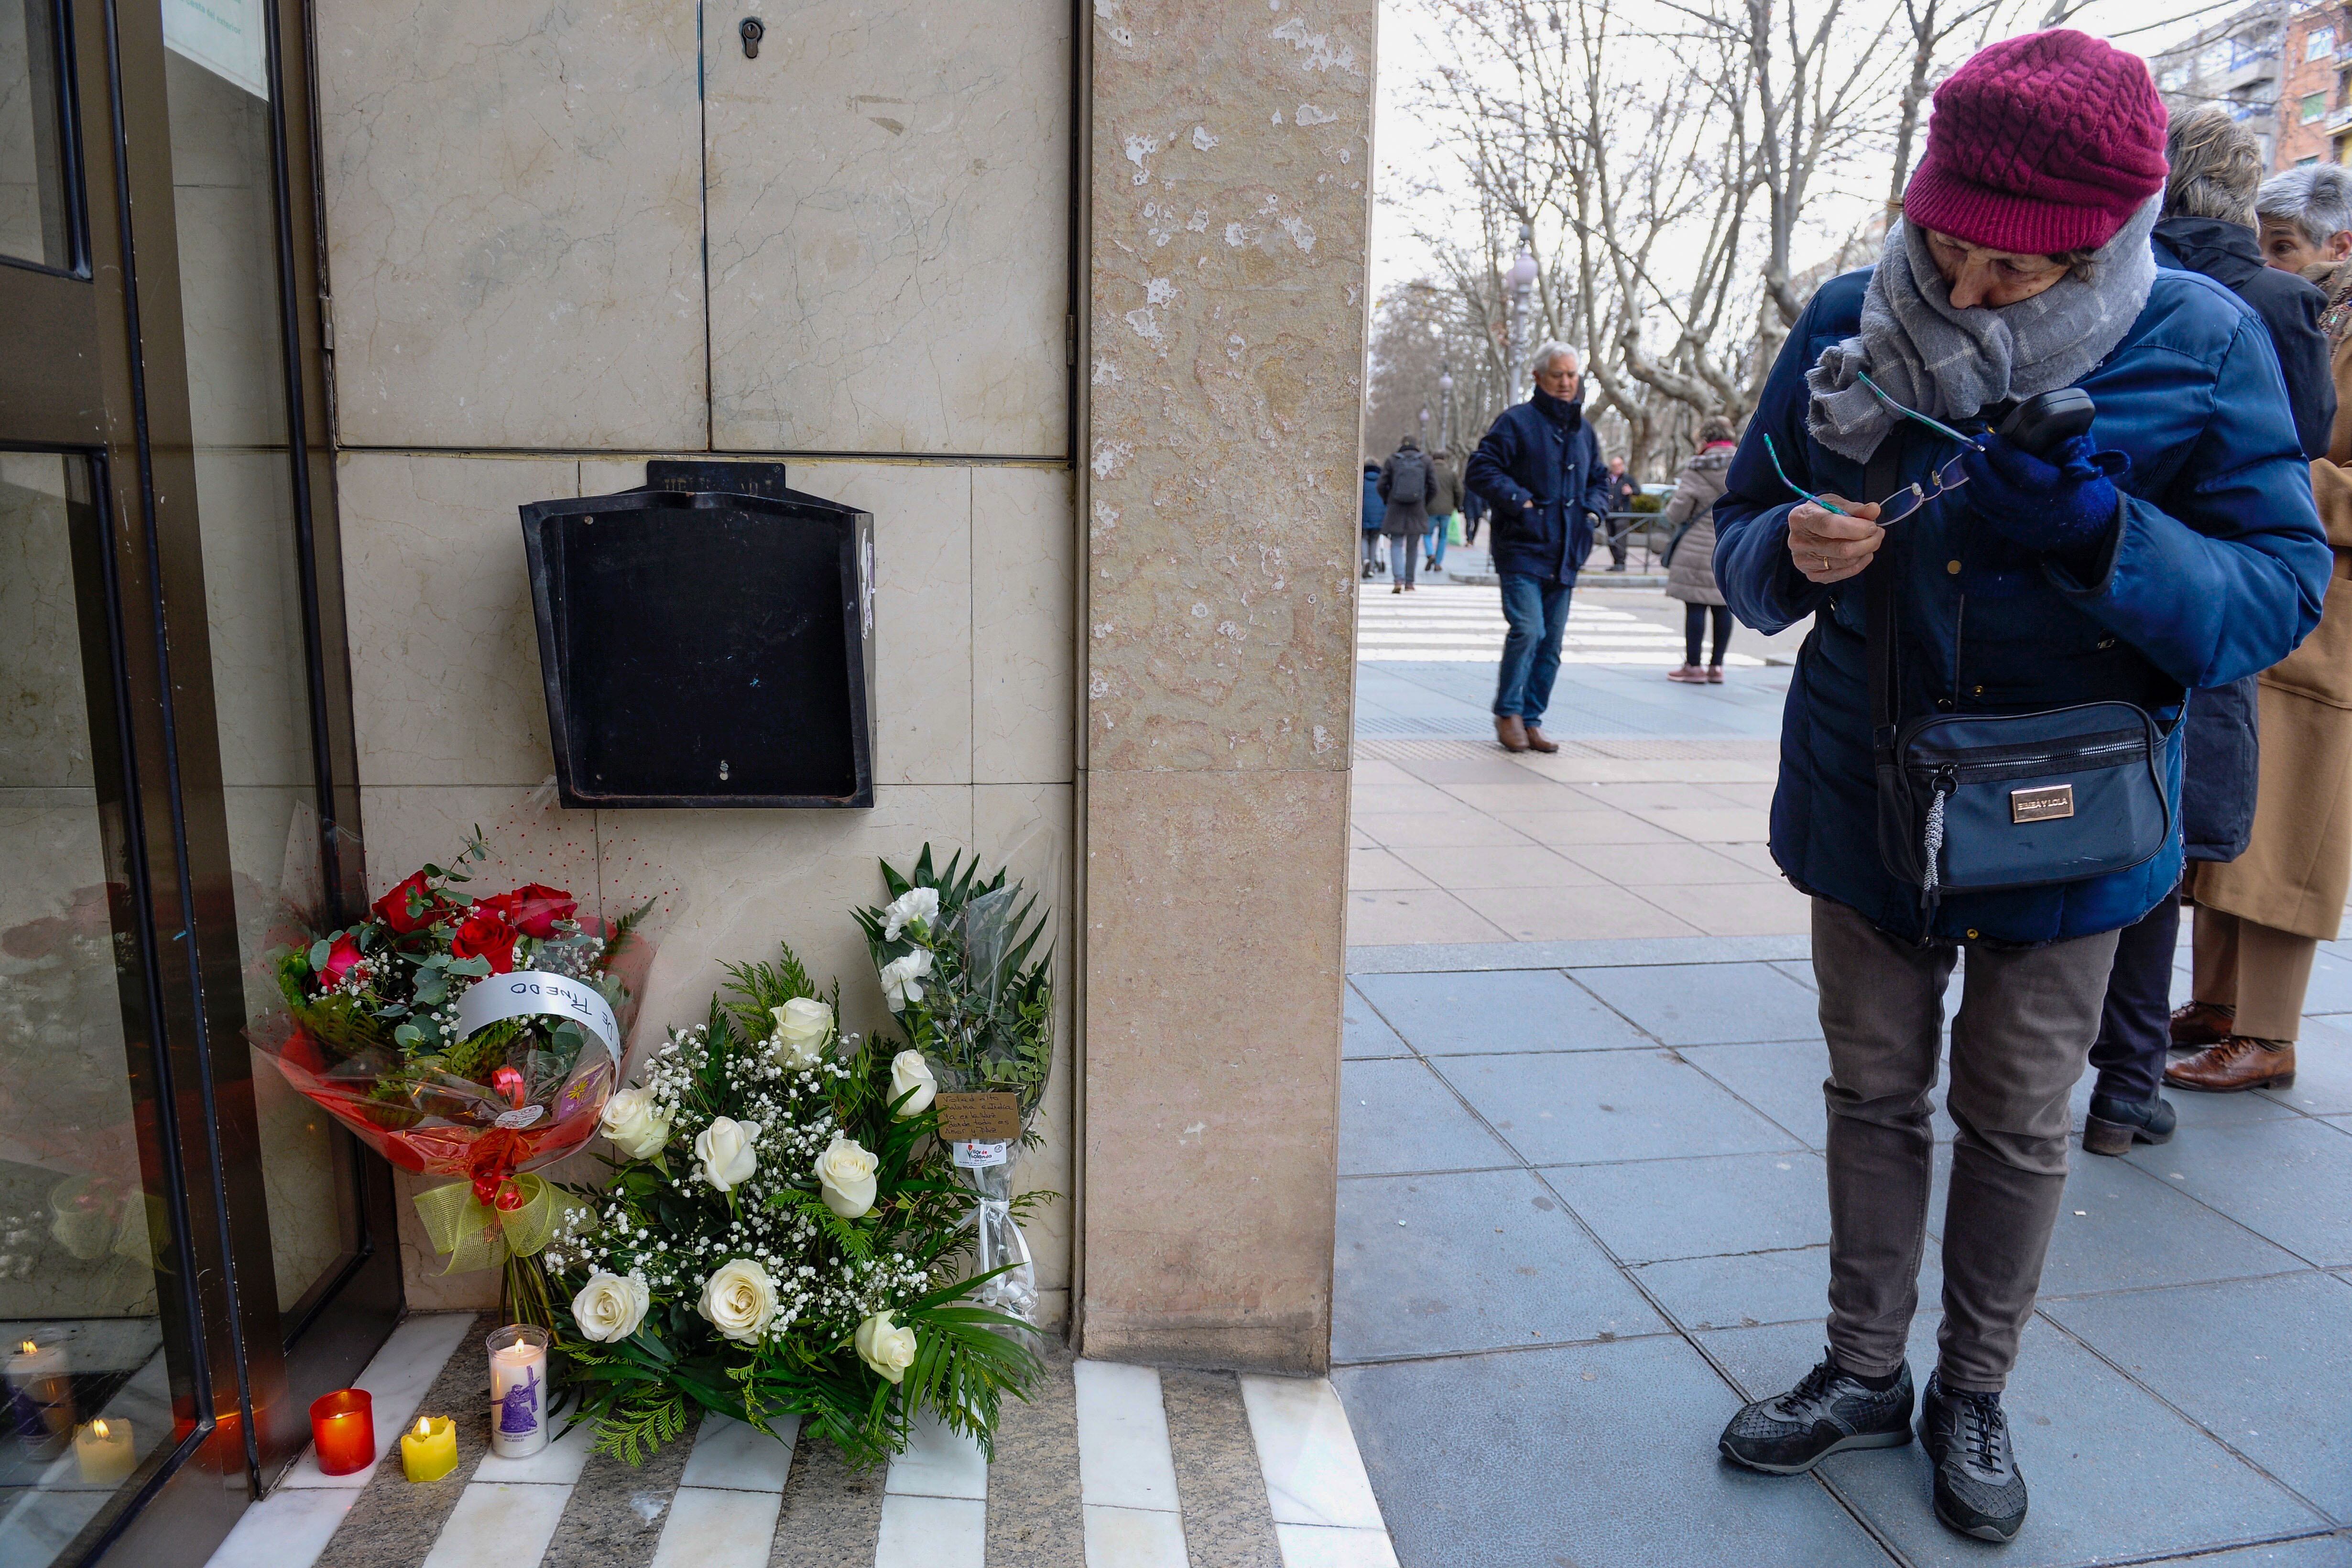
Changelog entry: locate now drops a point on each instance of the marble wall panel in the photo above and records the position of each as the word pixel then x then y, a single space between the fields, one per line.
pixel 44 698
pixel 1211 1026
pixel 514 223
pixel 889 228
pixel 1230 209
pixel 445 654
pixel 1024 633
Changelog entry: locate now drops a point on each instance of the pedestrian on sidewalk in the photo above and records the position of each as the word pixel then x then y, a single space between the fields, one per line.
pixel 1405 485
pixel 1375 513
pixel 1690 552
pixel 2261 918
pixel 1474 512
pixel 1444 510
pixel 1622 489
pixel 2208 226
pixel 1539 468
pixel 2295 210
pixel 2174 545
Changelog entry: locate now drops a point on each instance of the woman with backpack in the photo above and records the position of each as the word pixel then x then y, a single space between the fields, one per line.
pixel 1406 484
pixel 1690 558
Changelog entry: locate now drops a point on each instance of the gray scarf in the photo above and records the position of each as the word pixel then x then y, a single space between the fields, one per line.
pixel 1948 362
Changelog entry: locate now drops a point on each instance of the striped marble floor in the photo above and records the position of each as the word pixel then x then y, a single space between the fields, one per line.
pixel 1111 1466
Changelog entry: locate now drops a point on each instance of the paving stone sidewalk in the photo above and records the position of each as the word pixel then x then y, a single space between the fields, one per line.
pixel 1582 1211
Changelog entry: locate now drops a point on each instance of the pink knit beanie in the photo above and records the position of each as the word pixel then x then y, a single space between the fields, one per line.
pixel 2040 144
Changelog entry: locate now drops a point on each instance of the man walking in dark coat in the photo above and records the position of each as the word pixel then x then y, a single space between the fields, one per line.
pixel 2208 227
pixel 1539 469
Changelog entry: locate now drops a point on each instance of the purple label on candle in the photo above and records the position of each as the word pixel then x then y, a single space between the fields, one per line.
pixel 518 1407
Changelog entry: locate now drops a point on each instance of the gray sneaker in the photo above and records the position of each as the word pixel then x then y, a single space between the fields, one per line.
pixel 1827 1413
pixel 1978 1490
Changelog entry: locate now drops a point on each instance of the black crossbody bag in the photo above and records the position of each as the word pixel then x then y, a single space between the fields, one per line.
pixel 1971 802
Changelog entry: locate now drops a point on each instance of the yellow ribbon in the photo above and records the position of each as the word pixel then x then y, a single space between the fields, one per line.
pixel 477 1235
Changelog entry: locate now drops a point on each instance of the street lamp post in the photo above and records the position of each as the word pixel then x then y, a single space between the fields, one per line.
pixel 1523 277
pixel 1446 404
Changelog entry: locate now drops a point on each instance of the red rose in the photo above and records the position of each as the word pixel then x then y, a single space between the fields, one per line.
pixel 393 909
pixel 485 934
pixel 533 909
pixel 341 959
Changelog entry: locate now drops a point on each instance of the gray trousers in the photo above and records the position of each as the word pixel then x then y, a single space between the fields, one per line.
pixel 2024 1029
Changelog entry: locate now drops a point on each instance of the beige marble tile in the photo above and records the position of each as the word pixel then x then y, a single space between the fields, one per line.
pixel 45 722
pixel 1573 914
pixel 1379 917
pixel 444 655
pixel 1229 198
pixel 889 228
pixel 1023 696
pixel 1210 1104
pixel 922 610
pixel 261 696
pixel 514 223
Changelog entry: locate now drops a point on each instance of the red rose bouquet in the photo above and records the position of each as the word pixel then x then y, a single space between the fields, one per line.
pixel 469 1035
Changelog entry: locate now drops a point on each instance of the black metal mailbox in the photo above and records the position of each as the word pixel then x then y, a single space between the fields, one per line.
pixel 706 640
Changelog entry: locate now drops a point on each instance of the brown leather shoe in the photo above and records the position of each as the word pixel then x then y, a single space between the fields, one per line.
pixel 1510 732
pixel 2201 1024
pixel 2237 1063
pixel 1540 741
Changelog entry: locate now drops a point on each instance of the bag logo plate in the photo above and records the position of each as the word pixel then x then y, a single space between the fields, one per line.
pixel 2047 803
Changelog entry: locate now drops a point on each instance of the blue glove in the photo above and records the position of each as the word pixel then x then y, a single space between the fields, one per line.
pixel 2064 505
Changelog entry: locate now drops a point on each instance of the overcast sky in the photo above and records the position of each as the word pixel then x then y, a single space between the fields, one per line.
pixel 1404 143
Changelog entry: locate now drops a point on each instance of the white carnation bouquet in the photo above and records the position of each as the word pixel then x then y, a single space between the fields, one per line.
pixel 783 1235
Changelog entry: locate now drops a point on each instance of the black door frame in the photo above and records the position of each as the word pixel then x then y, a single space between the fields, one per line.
pixel 93 364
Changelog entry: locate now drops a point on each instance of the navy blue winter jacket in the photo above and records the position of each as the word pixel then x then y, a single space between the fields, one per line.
pixel 2216 570
pixel 1529 453
pixel 1375 509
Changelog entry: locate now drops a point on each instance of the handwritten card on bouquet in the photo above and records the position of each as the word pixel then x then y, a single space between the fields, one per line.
pixel 993 1118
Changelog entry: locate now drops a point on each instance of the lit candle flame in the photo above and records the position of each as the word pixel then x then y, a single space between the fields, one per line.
pixel 98 1430
pixel 423 1427
pixel 28 1347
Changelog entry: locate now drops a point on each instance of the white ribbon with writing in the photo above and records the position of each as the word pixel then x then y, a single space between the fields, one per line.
pixel 529 991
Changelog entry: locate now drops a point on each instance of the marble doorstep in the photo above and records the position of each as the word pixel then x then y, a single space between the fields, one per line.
pixel 1135 1470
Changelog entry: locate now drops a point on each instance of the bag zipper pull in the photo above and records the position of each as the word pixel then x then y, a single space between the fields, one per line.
pixel 1932 836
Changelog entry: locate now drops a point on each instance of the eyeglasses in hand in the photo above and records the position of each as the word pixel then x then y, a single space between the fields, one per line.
pixel 1911 497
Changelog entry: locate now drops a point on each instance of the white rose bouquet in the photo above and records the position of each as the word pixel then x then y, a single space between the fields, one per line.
pixel 781 1233
pixel 957 954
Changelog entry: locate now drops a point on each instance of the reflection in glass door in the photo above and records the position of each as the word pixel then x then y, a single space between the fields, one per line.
pixel 216 76
pixel 92 1395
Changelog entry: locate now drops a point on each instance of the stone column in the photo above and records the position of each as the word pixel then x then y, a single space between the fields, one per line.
pixel 1229 193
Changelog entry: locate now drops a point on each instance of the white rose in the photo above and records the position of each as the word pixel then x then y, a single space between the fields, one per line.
pixel 884 1346
pixel 909 1070
pixel 802 1026
pixel 902 978
pixel 633 1126
pixel 845 1178
pixel 609 1307
pixel 915 907
pixel 725 1150
pixel 739 1301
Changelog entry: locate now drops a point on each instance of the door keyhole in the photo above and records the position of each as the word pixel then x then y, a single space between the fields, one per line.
pixel 753 31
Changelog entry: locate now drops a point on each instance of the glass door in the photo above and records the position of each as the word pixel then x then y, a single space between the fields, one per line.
pixel 188 1252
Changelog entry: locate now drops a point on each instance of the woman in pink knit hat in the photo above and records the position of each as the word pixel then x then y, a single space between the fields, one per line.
pixel 2058 590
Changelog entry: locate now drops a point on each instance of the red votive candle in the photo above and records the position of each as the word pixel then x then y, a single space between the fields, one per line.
pixel 342 1425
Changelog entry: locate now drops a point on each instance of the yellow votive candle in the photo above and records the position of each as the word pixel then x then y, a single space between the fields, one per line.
pixel 102 1450
pixel 428 1450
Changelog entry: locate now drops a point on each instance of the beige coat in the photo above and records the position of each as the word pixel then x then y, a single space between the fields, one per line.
pixel 1691 578
pixel 2294 875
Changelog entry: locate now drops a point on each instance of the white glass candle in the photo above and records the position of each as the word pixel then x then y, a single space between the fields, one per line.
pixel 518 1390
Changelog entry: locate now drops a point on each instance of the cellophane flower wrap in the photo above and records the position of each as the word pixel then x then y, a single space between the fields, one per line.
pixel 471 1031
pixel 782 1236
pixel 969 987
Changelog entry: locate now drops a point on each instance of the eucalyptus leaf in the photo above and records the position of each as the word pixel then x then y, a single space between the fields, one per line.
pixel 320 951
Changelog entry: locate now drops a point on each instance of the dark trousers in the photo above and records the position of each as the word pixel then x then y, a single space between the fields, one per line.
pixel 2027 1015
pixel 1694 618
pixel 2136 1025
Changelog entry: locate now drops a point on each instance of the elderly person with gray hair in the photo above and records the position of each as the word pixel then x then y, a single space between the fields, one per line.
pixel 2306 218
pixel 1539 468
pixel 2215 168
